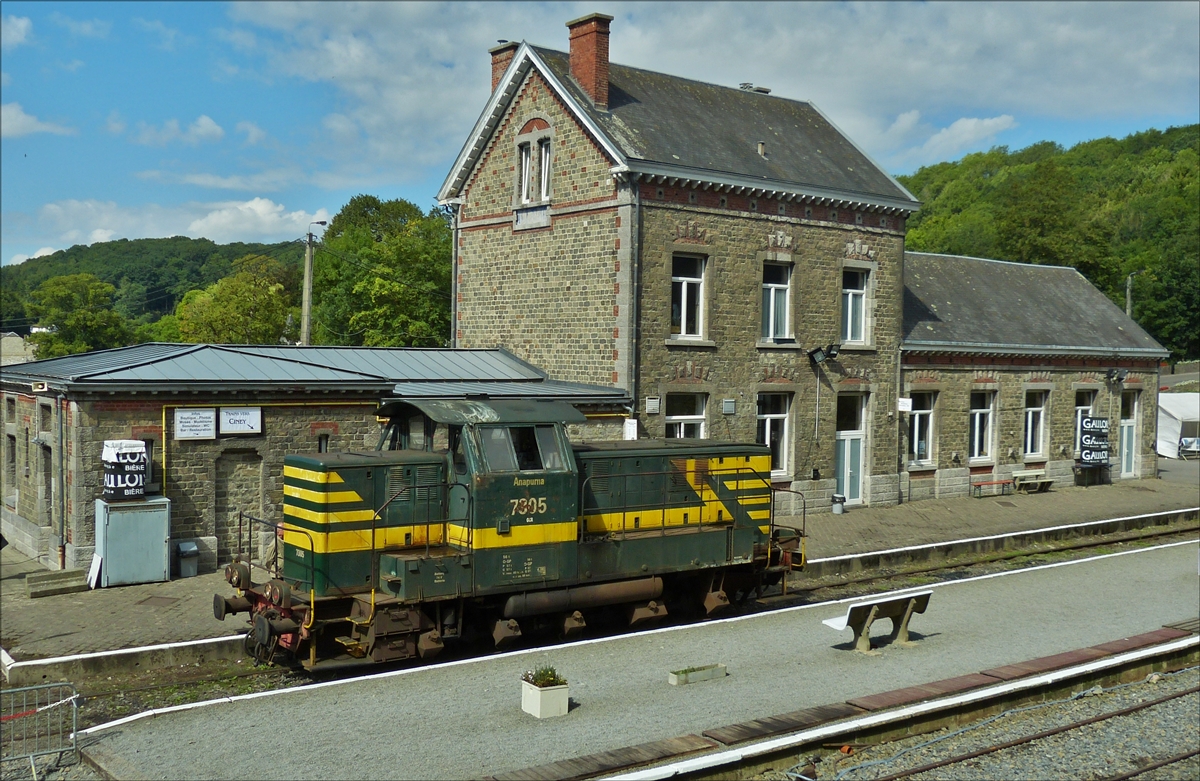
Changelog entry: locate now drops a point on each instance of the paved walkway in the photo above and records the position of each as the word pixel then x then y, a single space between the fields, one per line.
pixel 121 617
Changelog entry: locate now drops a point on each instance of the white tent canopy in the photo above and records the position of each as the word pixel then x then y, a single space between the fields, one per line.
pixel 1178 418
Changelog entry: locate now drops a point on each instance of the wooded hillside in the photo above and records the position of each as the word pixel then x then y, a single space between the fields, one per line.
pixel 1106 207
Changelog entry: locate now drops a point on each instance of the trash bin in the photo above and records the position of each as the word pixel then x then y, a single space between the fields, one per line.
pixel 189 559
pixel 839 504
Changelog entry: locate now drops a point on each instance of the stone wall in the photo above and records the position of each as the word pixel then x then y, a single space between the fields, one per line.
pixel 954 379
pixel 551 295
pixel 731 360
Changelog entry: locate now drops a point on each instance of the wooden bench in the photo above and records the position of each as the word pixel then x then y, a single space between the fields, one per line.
pixel 861 615
pixel 977 488
pixel 1031 480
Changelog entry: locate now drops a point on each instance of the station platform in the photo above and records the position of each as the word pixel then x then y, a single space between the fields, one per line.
pixel 181 610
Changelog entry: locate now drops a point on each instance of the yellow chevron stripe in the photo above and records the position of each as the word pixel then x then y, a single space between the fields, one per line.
pixel 311 475
pixel 327 517
pixel 602 523
pixel 321 497
pixel 754 500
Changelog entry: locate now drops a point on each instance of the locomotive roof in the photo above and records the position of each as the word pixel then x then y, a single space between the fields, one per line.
pixel 460 412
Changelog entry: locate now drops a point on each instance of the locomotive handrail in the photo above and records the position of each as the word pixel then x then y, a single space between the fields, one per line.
pixel 803 528
pixel 309 565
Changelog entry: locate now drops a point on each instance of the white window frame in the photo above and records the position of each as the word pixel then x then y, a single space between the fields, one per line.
pixel 921 420
pixel 1035 424
pixel 770 304
pixel 526 164
pixel 544 168
pixel 980 447
pixel 685 284
pixel 676 425
pixel 852 297
pixel 770 422
pixel 1082 412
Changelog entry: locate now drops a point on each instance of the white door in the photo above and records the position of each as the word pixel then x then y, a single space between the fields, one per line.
pixel 848 446
pixel 1128 435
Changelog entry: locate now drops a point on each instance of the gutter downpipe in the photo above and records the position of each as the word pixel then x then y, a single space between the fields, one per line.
pixel 635 276
pixel 62 487
pixel 455 205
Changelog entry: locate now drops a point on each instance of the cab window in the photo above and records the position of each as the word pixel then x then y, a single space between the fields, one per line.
pixel 523 448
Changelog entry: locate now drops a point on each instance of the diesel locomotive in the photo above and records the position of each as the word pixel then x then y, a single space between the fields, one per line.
pixel 480 517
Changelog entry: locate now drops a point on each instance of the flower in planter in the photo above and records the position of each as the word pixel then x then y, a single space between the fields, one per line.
pixel 543 677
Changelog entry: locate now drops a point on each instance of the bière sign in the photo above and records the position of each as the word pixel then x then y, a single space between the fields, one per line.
pixel 1093 440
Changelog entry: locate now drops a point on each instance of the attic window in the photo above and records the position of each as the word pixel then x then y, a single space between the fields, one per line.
pixel 833 216
pixel 782 208
pixel 858 218
pixel 808 212
pixel 658 193
pixel 753 205
pixel 692 197
pixel 724 201
pixel 883 222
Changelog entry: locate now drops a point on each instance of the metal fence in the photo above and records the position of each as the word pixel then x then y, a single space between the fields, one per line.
pixel 38 720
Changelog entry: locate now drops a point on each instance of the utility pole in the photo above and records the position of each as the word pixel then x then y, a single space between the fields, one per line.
pixel 1129 293
pixel 306 302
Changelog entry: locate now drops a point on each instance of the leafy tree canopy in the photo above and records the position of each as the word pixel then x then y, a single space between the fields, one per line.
pixel 250 307
pixel 77 310
pixel 1106 207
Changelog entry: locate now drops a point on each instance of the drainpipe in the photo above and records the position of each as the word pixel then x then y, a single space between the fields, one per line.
pixel 455 205
pixel 62 488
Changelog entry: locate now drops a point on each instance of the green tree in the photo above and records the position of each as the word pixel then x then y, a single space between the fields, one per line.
pixel 249 307
pixel 382 276
pixel 78 310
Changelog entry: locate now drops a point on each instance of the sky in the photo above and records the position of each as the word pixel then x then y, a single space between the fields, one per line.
pixel 249 121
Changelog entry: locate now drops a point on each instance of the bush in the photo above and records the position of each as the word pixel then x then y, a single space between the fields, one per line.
pixel 543 677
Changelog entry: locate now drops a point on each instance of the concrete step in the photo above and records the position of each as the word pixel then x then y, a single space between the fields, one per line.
pixel 47 584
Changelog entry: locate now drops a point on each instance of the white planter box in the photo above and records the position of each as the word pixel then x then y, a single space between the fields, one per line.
pixel 696 674
pixel 544 702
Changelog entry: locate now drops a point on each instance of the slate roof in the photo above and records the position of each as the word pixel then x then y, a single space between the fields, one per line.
pixel 962 304
pixel 425 373
pixel 662 125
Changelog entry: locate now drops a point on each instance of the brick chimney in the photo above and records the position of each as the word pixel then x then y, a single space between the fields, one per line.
pixel 589 56
pixel 501 56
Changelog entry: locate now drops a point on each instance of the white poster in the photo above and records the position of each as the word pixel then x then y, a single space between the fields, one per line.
pixel 193 423
pixel 904 405
pixel 630 428
pixel 241 420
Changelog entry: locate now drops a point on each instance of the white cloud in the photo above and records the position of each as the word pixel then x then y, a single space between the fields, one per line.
pixel 14 122
pixel 254 133
pixel 71 222
pixel 21 258
pixel 87 28
pixel 115 124
pixel 14 31
pixel 203 129
pixel 166 35
pixel 966 133
pixel 72 66
pixel 414 77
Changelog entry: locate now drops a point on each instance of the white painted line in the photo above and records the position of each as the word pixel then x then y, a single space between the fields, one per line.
pixel 710 761
pixel 928 546
pixel 593 641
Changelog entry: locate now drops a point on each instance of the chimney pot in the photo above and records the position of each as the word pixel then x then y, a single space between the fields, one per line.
pixel 589 55
pixel 501 56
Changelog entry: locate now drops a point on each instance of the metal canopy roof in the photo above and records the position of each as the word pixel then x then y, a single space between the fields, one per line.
pixel 428 373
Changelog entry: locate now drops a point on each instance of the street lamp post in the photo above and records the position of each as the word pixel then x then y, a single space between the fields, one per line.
pixel 1129 292
pixel 306 302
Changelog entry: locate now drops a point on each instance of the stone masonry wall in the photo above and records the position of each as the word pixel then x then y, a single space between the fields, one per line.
pixel 548 294
pixel 952 470
pixel 731 361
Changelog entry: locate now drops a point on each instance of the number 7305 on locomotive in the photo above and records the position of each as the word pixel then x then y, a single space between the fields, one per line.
pixel 481 517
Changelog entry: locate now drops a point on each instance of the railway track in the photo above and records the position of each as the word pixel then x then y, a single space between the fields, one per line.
pixel 1030 754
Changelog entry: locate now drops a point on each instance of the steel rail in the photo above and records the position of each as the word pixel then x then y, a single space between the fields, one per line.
pixel 1037 736
pixel 1155 765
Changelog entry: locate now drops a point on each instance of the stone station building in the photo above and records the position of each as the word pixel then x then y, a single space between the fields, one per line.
pixel 59 412
pixel 736 265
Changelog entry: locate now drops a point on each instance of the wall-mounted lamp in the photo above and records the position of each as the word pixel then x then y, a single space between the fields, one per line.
pixel 822 354
pixel 1116 375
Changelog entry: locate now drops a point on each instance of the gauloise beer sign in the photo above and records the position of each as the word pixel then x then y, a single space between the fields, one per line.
pixel 1093 440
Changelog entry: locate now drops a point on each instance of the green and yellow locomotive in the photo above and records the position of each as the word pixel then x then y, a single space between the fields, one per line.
pixel 480 515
